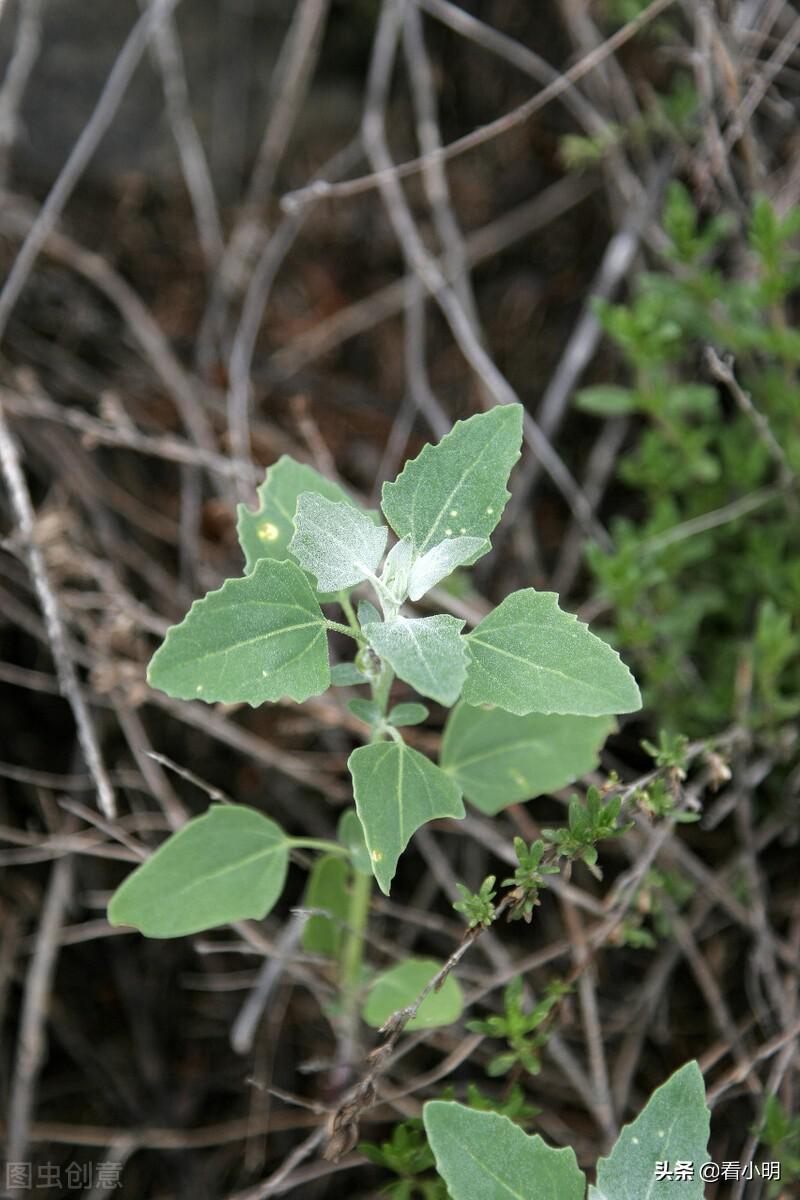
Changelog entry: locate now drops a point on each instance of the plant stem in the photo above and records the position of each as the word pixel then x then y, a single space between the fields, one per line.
pixel 352 953
pixel 353 948
pixel 319 844
pixel 382 688
pixel 339 628
pixel 347 606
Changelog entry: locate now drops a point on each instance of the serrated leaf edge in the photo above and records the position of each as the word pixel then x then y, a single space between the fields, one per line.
pixel 425 453
pixel 263 564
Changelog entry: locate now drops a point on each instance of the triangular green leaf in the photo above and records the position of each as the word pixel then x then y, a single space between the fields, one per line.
pixel 458 487
pixel 673 1125
pixel 225 866
pixel 397 790
pixel 498 759
pixel 257 638
pixel 400 985
pixel 439 562
pixel 336 543
pixel 426 652
pixel 485 1156
pixel 267 531
pixel 530 656
pixel 326 888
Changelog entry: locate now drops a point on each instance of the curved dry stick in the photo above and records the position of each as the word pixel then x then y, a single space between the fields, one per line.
pixel 244 342
pixel 434 176
pixel 289 85
pixel 56 633
pixel 26 51
pixel 485 133
pixel 481 245
pixel 143 327
pixel 38 985
pixel 104 111
pixel 169 58
pixel 427 269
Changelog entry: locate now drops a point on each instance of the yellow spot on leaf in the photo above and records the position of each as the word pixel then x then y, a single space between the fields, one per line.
pixel 268 532
pixel 490 510
pixel 518 777
pixel 376 856
pixel 448 532
pixel 453 512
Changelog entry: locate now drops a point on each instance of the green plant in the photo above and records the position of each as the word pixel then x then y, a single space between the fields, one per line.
pixel 485 1156
pixel 523 1031
pixel 661 892
pixel 589 823
pixel 703 586
pixel 264 636
pixel 408 1155
pixel 478 907
pixel 780 1132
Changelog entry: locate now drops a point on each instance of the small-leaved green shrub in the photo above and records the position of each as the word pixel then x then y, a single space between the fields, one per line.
pixel 780 1133
pixel 703 584
pixel 523 1031
pixel 533 694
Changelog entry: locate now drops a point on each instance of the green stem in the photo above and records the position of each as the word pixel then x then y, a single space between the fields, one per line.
pixel 319 844
pixel 352 954
pixel 382 688
pixel 353 948
pixel 339 628
pixel 347 606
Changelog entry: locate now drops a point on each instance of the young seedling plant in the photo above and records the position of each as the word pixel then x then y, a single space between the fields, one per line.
pixel 532 692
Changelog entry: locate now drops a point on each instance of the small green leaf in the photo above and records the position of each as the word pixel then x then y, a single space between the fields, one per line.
pixel 225 866
pixel 397 790
pixel 499 759
pixel 351 834
pixel 407 714
pixel 367 613
pixel 257 638
pixel 366 710
pixel 606 400
pixel 530 656
pixel 336 543
pixel 347 675
pixel 673 1125
pixel 439 562
pixel 267 531
pixel 485 1156
pixel 326 888
pixel 398 987
pixel 396 569
pixel 478 907
pixel 426 652
pixel 458 487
